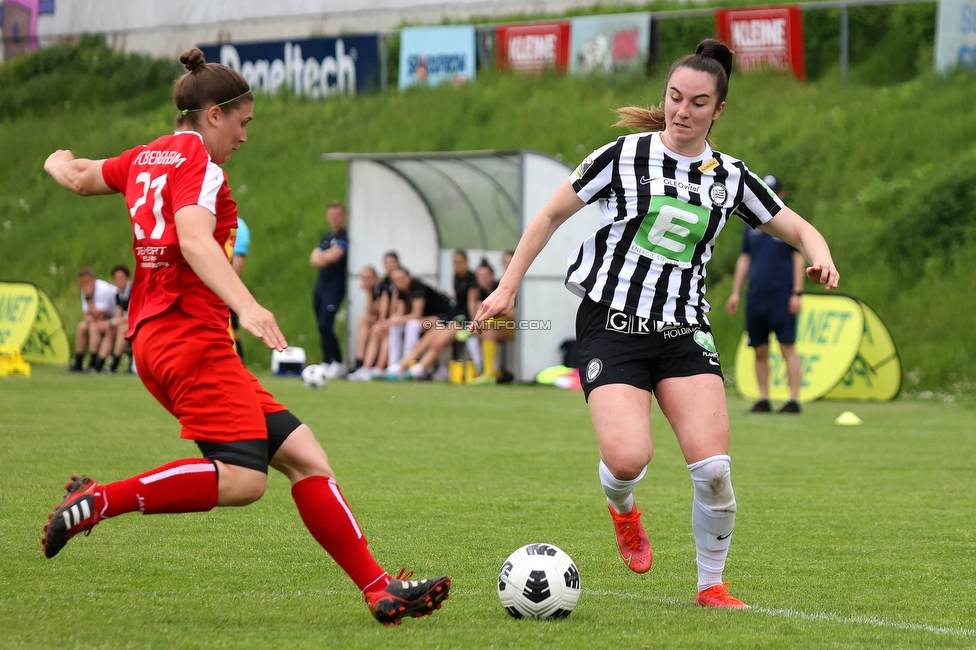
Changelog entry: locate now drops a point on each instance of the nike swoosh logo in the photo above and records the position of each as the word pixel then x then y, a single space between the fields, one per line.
pixel 721 537
pixel 715 363
pixel 644 180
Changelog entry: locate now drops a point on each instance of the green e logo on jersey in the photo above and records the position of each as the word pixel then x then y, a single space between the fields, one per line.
pixel 670 231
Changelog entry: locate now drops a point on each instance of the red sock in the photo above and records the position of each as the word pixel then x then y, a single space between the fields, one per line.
pixel 188 485
pixel 332 524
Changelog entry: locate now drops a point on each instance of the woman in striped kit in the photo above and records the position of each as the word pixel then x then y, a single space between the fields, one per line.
pixel 642 330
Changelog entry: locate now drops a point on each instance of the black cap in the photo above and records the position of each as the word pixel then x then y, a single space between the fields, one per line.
pixel 773 183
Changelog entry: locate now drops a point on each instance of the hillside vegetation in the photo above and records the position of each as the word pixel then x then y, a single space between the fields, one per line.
pixel 887 173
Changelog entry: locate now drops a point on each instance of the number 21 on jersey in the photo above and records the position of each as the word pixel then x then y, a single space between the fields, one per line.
pixel 149 183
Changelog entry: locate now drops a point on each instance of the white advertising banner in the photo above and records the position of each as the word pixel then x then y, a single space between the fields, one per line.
pixel 607 43
pixel 955 35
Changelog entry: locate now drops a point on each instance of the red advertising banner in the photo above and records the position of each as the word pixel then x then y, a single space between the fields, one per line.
pixel 770 37
pixel 533 47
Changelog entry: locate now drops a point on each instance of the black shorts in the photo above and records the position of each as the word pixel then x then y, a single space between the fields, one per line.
pixel 254 454
pixel 619 348
pixel 770 313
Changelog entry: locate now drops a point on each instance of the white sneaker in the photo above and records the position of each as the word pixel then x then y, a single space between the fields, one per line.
pixel 417 371
pixel 359 375
pixel 339 370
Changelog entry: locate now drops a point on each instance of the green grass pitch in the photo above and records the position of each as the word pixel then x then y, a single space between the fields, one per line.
pixel 847 537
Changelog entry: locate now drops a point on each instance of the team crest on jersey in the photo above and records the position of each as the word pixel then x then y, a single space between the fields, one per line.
pixel 583 166
pixel 717 194
pixel 593 370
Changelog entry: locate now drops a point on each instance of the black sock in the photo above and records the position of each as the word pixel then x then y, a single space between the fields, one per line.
pixel 79 360
pixel 359 364
pixel 113 365
pixel 97 363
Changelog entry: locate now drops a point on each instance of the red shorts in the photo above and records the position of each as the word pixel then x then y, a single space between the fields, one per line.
pixel 192 368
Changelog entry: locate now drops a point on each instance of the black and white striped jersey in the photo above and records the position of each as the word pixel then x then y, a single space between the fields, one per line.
pixel 660 215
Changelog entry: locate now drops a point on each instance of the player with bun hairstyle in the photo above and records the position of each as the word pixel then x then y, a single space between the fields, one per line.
pixel 642 330
pixel 184 222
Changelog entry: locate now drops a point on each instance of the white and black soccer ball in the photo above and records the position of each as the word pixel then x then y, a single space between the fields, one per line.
pixel 314 376
pixel 539 581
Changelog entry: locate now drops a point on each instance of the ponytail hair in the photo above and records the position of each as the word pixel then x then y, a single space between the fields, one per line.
pixel 711 57
pixel 205 85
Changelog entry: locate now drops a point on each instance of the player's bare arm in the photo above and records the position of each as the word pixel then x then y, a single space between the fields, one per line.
pixel 738 279
pixel 560 207
pixel 195 226
pixel 798 233
pixel 80 175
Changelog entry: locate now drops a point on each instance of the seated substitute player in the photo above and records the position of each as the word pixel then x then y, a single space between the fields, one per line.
pixel 178 327
pixel 495 331
pixel 775 273
pixel 419 307
pixel 97 307
pixel 369 282
pixel 428 349
pixel 374 344
pixel 114 343
pixel 642 330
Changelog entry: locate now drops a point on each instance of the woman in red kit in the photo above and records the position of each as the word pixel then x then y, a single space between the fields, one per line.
pixel 184 222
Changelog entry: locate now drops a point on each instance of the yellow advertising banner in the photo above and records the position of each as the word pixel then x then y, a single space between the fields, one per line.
pixel 29 320
pixel 875 373
pixel 845 351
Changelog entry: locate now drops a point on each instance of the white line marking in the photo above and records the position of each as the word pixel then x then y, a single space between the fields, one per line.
pixel 817 616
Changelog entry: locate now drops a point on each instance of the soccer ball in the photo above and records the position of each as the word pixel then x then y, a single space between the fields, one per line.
pixel 314 376
pixel 539 581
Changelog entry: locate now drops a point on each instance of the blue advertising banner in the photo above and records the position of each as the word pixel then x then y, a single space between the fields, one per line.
pixel 433 55
pixel 314 67
pixel 607 43
pixel 955 35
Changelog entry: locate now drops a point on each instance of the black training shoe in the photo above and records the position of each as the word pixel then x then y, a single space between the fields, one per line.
pixel 790 407
pixel 762 406
pixel 403 598
pixel 76 514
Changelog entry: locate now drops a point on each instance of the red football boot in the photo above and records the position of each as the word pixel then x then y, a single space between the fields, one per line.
pixel 635 548
pixel 404 598
pixel 76 514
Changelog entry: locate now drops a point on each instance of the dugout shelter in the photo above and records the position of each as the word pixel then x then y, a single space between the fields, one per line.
pixel 426 205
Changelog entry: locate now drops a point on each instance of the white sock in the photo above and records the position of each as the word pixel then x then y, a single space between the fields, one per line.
pixel 396 343
pixel 473 343
pixel 411 335
pixel 712 517
pixel 620 493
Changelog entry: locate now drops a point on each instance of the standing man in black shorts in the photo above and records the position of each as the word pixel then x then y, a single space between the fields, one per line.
pixel 776 277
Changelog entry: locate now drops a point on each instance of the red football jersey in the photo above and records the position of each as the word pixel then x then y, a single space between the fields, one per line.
pixel 158 179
